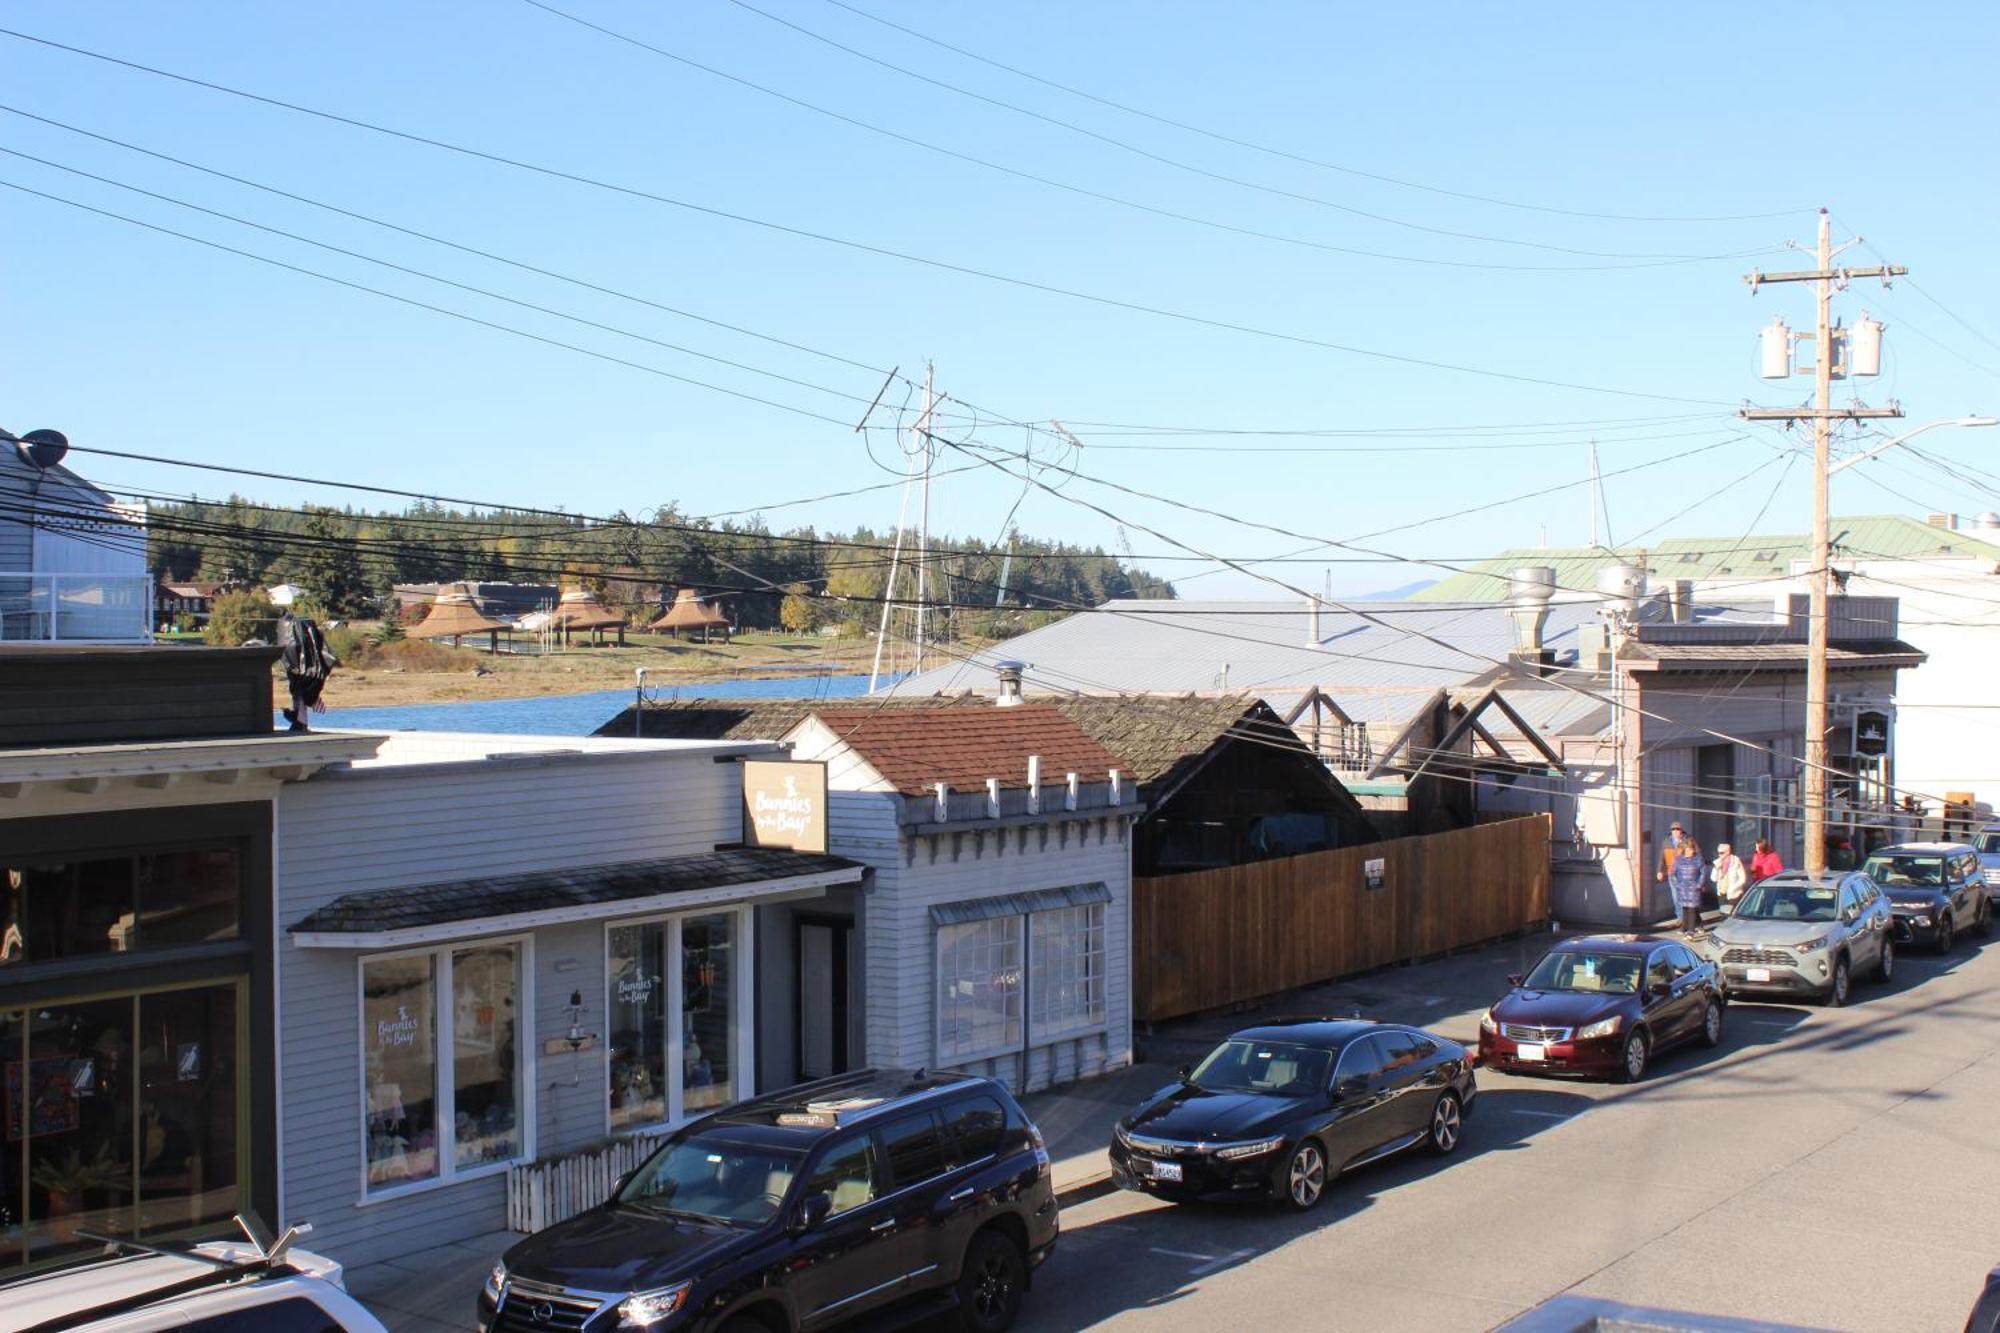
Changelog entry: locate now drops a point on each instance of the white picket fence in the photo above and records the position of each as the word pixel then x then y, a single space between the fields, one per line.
pixel 540 1194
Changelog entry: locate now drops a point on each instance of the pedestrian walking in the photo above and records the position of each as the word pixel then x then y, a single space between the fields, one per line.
pixel 1728 875
pixel 1682 869
pixel 1764 862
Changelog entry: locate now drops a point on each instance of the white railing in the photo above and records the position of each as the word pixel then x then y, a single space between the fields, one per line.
pixel 541 1194
pixel 76 608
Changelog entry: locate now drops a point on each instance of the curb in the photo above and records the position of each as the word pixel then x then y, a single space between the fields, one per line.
pixel 1083 1191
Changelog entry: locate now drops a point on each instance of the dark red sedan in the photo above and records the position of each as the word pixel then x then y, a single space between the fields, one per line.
pixel 1603 1005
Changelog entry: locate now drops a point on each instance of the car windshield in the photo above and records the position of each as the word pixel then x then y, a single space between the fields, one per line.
pixel 1263 1066
pixel 1988 843
pixel 1894 872
pixel 1789 902
pixel 1575 969
pixel 714 1177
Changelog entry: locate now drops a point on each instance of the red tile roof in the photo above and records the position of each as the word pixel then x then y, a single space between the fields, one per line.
pixel 916 748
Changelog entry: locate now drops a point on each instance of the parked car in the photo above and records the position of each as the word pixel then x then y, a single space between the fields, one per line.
pixel 1985 1316
pixel 1987 843
pixel 208 1287
pixel 1277 1111
pixel 1936 890
pixel 800 1209
pixel 1603 1005
pixel 1805 937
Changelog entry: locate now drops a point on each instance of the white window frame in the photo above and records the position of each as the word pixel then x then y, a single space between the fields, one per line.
pixel 971 1054
pixel 1037 1034
pixel 443 1068
pixel 743 995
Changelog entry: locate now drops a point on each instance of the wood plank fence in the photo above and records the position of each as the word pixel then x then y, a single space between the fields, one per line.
pixel 541 1194
pixel 1212 938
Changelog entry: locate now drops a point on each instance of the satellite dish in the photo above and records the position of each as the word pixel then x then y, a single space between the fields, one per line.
pixel 44 448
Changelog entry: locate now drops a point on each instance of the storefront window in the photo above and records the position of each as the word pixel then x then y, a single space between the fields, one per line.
pixel 188 1123
pixel 399 1053
pixel 1066 970
pixel 486 1084
pixel 708 1014
pixel 116 905
pixel 675 1007
pixel 428 1118
pixel 979 987
pixel 638 1023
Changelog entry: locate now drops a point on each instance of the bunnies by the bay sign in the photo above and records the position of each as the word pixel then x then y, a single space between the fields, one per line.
pixel 784 804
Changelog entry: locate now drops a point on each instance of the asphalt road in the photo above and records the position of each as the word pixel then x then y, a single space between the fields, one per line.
pixel 1827 1168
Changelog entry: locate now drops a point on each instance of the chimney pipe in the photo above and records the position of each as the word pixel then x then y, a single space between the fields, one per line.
pixel 1529 593
pixel 1683 601
pixel 1312 622
pixel 1010 683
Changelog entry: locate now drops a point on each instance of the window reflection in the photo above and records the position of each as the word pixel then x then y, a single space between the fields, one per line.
pixel 400 1059
pixel 112 905
pixel 486 1102
pixel 708 1027
pixel 638 1009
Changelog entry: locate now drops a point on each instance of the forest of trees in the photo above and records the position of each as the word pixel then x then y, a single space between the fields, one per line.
pixel 801 579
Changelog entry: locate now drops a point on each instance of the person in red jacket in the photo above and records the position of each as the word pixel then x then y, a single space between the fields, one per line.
pixel 1764 862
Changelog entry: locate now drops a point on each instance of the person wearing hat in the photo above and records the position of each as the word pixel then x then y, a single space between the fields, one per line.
pixel 1683 870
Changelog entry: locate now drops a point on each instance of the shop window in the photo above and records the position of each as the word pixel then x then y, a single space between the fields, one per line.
pixel 979 988
pixel 427 1118
pixel 118 905
pixel 675 1017
pixel 1066 970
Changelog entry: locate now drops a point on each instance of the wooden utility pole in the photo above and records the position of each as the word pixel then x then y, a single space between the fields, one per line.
pixel 923 434
pixel 1812 786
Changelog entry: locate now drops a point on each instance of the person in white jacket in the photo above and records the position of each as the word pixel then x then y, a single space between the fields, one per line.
pixel 1728 875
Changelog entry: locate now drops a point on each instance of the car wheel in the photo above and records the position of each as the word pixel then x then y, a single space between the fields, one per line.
pixel 1711 1024
pixel 990 1283
pixel 1447 1125
pixel 1836 990
pixel 1633 1067
pixel 1305 1176
pixel 1944 934
pixel 1885 966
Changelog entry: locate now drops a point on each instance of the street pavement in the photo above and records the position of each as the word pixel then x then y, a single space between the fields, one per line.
pixel 1826 1168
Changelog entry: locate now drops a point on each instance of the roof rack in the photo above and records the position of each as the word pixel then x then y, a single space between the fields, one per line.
pixel 269 1261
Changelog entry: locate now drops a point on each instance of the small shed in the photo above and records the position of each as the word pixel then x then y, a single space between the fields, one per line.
pixel 690 613
pixel 453 616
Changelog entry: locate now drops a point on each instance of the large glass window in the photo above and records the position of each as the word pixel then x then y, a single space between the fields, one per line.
pixel 428 1117
pixel 638 1024
pixel 399 1064
pixel 1066 969
pixel 979 988
pixel 119 1115
pixel 676 995
pixel 52 910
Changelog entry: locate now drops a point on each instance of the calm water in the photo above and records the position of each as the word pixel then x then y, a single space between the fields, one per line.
pixel 575 714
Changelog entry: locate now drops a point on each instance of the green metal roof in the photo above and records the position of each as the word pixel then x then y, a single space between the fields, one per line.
pixel 1876 536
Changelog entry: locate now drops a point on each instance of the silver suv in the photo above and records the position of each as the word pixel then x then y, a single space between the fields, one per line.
pixel 1805 935
pixel 1987 843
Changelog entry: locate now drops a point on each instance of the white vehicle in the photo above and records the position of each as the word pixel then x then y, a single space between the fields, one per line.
pixel 250 1286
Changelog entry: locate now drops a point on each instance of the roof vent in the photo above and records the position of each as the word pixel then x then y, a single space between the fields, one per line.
pixel 1529 592
pixel 1010 683
pixel 1621 586
pixel 1987 522
pixel 1942 520
pixel 42 449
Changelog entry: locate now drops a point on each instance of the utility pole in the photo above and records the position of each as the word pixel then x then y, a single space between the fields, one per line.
pixel 1823 414
pixel 923 434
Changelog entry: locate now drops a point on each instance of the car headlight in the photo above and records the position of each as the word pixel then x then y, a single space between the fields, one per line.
pixel 648 1308
pixel 1603 1027
pixel 496 1284
pixel 1486 1023
pixel 1814 944
pixel 1236 1152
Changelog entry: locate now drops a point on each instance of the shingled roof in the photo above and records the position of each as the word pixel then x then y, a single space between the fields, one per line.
pixel 916 748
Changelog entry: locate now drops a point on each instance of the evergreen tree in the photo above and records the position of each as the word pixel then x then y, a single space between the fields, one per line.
pixel 329 566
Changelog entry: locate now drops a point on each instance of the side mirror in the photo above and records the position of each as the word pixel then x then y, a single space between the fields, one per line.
pixel 1351 1086
pixel 1515 979
pixel 813 1210
pixel 1184 1073
pixel 618 1186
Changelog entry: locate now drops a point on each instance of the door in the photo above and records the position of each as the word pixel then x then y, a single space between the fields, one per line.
pixel 1667 1003
pixel 851 1261
pixel 1404 1080
pixel 822 961
pixel 917 1156
pixel 1967 887
pixel 1863 945
pixel 1363 1118
pixel 974 1128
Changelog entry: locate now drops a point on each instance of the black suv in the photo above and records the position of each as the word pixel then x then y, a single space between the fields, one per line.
pixel 799 1209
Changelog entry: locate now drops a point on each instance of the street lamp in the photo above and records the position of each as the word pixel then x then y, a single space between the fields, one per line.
pixel 1887 445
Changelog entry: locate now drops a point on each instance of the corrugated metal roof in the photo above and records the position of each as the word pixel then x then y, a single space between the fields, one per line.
pixel 1876 536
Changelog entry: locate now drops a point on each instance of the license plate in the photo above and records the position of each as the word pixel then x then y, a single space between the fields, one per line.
pixel 1164 1170
pixel 1532 1051
pixel 1757 974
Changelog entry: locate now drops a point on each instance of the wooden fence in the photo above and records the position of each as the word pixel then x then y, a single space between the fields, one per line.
pixel 541 1194
pixel 1213 938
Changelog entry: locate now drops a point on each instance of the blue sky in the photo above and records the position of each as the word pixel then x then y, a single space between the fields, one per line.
pixel 133 340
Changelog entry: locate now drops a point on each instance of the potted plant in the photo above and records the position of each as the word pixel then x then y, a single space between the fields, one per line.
pixel 69 1178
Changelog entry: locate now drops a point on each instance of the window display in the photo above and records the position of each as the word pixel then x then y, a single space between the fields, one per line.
pixel 675 1017
pixel 399 1058
pixel 708 1016
pixel 637 961
pixel 486 1084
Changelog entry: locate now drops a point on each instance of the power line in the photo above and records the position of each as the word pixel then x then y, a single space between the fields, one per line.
pixel 1026 284
pixel 1290 156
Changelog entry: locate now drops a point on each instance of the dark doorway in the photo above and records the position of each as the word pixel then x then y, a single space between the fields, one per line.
pixel 822 952
pixel 1715 802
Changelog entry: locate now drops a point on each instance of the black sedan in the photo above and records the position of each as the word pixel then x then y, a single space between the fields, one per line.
pixel 1276 1111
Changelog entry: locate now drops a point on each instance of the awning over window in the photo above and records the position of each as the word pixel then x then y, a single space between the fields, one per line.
pixel 1020 904
pixel 460 909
